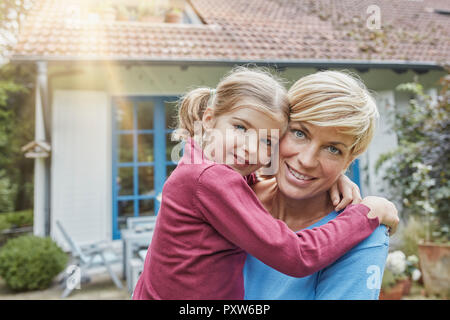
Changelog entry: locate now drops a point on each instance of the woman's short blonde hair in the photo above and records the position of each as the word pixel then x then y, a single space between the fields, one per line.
pixel 335 99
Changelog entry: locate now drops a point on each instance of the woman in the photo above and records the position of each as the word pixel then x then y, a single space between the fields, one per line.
pixel 332 121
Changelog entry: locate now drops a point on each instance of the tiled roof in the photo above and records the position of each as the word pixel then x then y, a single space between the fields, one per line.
pixel 248 30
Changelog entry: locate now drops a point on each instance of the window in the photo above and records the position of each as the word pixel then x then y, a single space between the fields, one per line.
pixel 141 148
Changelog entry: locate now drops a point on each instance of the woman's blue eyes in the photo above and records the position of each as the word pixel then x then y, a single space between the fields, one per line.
pixel 240 127
pixel 334 150
pixel 301 134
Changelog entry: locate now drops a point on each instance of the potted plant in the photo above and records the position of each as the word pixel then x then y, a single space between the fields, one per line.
pixel 174 15
pixel 399 273
pixel 418 174
pixel 150 12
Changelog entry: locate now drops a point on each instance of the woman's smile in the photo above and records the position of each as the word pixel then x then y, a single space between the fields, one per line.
pixel 297 177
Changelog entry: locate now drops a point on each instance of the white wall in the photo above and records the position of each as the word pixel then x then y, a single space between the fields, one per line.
pixel 383 141
pixel 81 166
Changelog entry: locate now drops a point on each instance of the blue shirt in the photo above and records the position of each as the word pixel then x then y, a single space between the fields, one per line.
pixel 356 275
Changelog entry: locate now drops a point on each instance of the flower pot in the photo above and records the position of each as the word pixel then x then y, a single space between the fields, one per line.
pixel 397 291
pixel 406 286
pixel 435 265
pixel 152 19
pixel 174 17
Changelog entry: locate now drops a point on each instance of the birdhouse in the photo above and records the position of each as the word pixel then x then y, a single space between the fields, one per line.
pixel 36 149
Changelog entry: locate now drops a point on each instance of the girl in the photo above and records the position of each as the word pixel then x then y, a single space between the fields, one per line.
pixel 209 216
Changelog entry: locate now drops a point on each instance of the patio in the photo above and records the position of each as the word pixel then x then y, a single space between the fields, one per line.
pixel 101 287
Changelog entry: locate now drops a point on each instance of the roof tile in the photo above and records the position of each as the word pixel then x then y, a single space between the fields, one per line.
pixel 247 30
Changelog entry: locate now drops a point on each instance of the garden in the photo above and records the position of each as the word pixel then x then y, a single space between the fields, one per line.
pixel 418 175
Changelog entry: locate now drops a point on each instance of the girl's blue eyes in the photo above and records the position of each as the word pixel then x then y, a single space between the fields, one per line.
pixel 240 127
pixel 244 129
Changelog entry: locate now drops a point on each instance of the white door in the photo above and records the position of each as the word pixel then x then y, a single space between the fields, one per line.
pixel 383 141
pixel 81 166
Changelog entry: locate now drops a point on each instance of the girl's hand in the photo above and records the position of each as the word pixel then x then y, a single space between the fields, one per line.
pixel 385 211
pixel 349 191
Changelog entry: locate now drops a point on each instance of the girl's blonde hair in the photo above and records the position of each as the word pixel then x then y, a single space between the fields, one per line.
pixel 241 87
pixel 335 99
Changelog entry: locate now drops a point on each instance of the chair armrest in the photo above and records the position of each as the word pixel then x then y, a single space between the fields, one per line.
pixel 97 247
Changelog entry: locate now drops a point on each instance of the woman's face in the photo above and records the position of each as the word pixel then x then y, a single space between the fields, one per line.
pixel 311 159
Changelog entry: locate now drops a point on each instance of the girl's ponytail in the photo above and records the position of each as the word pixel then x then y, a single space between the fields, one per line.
pixel 191 108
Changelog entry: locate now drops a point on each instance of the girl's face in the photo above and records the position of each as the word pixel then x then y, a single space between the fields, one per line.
pixel 244 138
pixel 311 159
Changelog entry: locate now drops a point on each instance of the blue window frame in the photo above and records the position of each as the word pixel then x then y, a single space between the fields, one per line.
pixel 353 173
pixel 141 128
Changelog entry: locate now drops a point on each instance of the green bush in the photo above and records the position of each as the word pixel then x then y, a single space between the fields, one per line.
pixel 418 170
pixel 16 219
pixel 4 223
pixel 411 235
pixel 389 279
pixel 21 218
pixel 31 262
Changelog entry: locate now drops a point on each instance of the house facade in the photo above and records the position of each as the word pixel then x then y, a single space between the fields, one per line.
pixel 107 90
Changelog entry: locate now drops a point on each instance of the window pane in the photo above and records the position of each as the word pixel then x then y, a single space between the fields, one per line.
pixel 125 209
pixel 171 114
pixel 170 169
pixel 146 183
pixel 145 148
pixel 125 142
pixel 146 207
pixel 145 115
pixel 124 115
pixel 125 181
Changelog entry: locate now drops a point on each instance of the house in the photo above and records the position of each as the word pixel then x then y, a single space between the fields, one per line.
pixel 108 75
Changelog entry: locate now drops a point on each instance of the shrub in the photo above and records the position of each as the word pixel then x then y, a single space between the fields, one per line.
pixel 16 219
pixel 389 279
pixel 20 218
pixel 411 235
pixel 4 223
pixel 418 170
pixel 30 262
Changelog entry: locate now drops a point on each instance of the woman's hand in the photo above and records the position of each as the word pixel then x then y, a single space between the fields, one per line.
pixel 349 191
pixel 385 211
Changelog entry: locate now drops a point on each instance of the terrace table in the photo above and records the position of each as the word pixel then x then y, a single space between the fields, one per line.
pixel 133 240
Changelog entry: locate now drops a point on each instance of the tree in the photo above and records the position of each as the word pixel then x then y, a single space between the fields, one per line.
pixel 16 113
